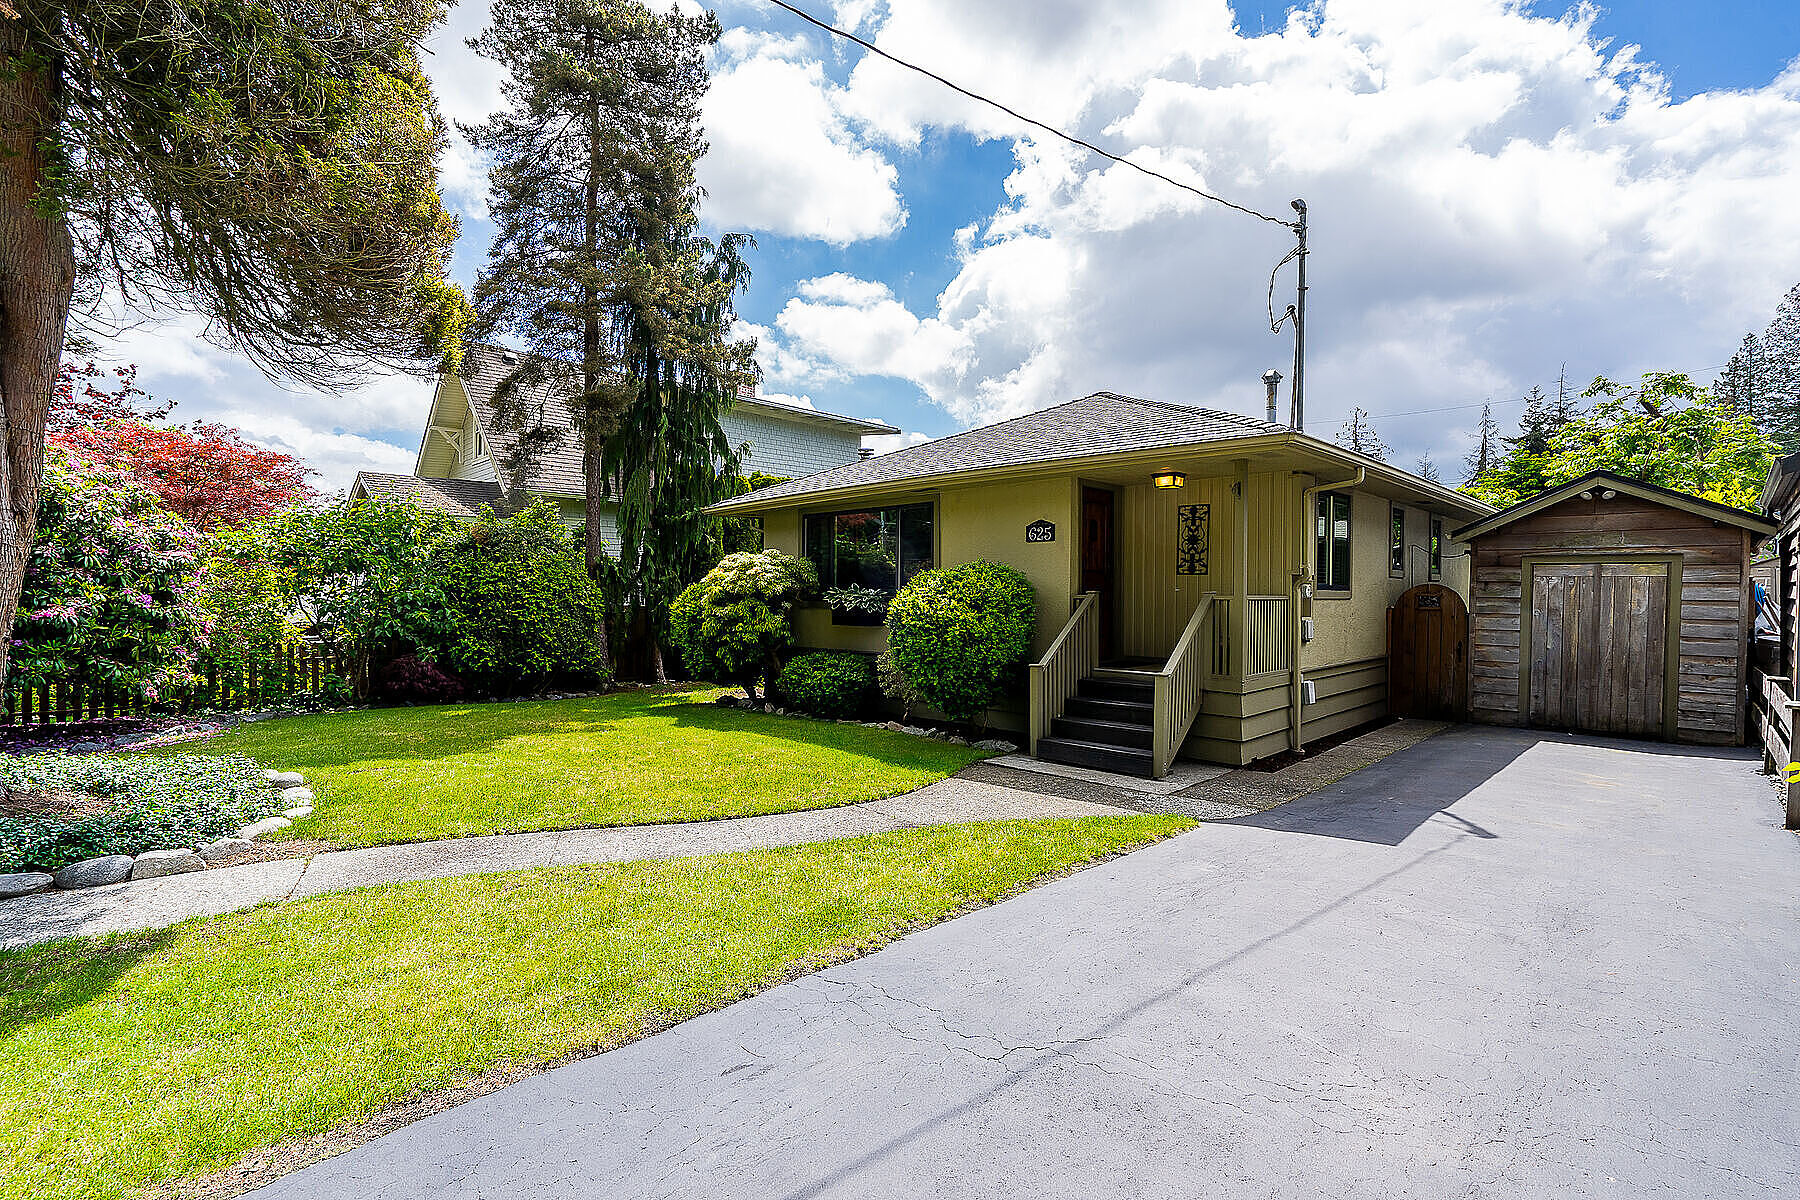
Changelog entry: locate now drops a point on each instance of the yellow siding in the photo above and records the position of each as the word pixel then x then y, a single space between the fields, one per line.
pixel 1155 602
pixel 989 523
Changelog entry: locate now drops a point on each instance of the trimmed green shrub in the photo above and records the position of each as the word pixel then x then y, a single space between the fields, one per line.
pixel 734 624
pixel 828 683
pixel 146 802
pixel 960 635
pixel 521 608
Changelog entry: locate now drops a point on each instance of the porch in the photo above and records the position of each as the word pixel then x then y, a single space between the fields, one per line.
pixel 1182 629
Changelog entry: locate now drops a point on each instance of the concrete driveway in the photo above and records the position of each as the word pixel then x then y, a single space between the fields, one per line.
pixel 1497 964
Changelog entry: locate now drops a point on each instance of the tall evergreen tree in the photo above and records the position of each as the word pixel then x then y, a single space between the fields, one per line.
pixel 1359 435
pixel 271 168
pixel 596 267
pixel 1486 453
pixel 1738 385
pixel 1778 377
pixel 1427 470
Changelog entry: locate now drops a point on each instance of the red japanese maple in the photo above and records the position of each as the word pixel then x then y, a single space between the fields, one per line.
pixel 206 473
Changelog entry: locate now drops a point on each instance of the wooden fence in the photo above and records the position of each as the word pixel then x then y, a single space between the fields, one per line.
pixel 1772 718
pixel 302 671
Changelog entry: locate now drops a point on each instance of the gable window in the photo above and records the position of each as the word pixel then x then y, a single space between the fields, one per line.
pixel 1437 548
pixel 1396 541
pixel 879 548
pixel 1333 530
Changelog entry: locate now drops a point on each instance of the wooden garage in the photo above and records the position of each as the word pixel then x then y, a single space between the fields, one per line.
pixel 1612 606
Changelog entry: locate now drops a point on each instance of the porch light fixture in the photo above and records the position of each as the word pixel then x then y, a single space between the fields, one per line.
pixel 1171 479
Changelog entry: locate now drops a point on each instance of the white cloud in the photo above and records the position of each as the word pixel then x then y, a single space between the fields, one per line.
pixel 784 157
pixel 336 456
pixel 1492 193
pixel 887 443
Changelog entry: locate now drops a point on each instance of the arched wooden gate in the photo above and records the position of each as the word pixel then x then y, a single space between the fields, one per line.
pixel 1428 654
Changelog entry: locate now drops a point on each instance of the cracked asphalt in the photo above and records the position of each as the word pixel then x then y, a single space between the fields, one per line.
pixel 1496 964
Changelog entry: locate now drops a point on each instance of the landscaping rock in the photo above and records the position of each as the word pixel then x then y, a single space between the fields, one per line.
pixel 293 797
pixel 915 730
pixel 24 883
pixel 284 779
pixel 256 829
pixel 152 863
pixel 224 847
pixel 996 745
pixel 726 701
pixel 94 872
pixel 768 708
pixel 296 813
pixel 896 726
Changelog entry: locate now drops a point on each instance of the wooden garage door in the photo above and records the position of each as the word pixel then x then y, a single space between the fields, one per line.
pixel 1599 637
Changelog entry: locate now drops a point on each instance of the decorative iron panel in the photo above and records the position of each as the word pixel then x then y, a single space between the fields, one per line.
pixel 1191 535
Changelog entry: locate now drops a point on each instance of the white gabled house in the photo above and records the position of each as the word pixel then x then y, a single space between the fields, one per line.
pixel 464 448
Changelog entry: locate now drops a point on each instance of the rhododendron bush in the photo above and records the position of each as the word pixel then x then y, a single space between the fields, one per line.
pixel 111 588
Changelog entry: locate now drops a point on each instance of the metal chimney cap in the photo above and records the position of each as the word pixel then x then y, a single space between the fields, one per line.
pixel 1271 377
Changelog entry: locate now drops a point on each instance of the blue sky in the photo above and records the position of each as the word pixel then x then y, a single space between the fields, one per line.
pixel 1495 191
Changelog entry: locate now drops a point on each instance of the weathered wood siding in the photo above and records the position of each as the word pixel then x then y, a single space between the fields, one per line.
pixel 1714 599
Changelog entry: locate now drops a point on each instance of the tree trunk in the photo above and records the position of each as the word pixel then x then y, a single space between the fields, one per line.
pixel 593 439
pixel 37 279
pixel 657 670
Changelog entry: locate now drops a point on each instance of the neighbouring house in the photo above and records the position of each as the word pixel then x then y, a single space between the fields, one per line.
pixel 466 452
pixel 1613 606
pixel 1208 584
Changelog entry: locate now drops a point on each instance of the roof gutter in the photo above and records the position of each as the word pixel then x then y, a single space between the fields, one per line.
pixel 1302 590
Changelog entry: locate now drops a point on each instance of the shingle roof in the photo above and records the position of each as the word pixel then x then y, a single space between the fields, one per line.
pixel 558 469
pixel 458 497
pixel 1103 423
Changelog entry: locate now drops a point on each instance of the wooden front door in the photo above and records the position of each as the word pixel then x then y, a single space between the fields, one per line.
pixel 1599 646
pixel 1428 654
pixel 1097 558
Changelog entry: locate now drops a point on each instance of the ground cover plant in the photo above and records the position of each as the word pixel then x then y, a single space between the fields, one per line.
pixel 627 758
pixel 56 809
pixel 163 1055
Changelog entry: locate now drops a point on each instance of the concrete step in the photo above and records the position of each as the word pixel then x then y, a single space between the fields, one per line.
pixel 1096 756
pixel 1110 733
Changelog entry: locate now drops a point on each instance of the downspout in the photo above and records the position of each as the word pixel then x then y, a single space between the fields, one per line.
pixel 1308 514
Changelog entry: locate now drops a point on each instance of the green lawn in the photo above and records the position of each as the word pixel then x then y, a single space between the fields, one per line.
pixel 631 758
pixel 153 1057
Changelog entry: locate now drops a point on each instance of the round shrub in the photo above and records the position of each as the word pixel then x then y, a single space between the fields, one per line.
pixel 828 683
pixel 733 625
pixel 521 608
pixel 122 805
pixel 960 635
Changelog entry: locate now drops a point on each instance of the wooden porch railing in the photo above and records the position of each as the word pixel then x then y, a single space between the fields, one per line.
pixel 1774 722
pixel 1070 658
pixel 1268 648
pixel 1266 645
pixel 1180 685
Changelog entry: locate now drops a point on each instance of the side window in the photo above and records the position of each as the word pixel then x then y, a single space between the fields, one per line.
pixel 1333 530
pixel 1396 541
pixel 1437 548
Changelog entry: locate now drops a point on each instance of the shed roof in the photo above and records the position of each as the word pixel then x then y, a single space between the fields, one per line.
pixel 1602 480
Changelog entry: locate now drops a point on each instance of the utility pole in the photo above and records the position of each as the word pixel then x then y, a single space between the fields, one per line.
pixel 1298 414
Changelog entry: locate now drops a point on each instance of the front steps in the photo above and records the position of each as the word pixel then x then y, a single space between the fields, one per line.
pixel 1108 725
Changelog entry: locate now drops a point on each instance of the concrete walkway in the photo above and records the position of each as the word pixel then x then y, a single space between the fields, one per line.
pixel 153 903
pixel 1497 964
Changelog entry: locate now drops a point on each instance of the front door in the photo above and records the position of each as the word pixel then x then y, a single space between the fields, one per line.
pixel 1097 558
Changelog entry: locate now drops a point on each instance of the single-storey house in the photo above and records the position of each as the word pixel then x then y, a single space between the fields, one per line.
pixel 465 448
pixel 1613 606
pixel 1208 584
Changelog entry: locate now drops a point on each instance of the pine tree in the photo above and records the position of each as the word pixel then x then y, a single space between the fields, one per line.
pixel 1427 470
pixel 597 267
pixel 1778 374
pixel 1486 454
pixel 1359 435
pixel 1737 385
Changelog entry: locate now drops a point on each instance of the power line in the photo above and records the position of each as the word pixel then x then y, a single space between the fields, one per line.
pixel 1019 116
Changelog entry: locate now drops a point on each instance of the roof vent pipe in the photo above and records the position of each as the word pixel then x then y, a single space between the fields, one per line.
pixel 866 452
pixel 1271 380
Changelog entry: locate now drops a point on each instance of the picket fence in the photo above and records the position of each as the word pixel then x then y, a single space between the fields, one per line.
pixel 302 671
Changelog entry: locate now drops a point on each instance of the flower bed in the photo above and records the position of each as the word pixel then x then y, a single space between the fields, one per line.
pixel 58 809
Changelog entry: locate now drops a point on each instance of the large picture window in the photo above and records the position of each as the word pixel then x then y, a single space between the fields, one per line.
pixel 879 548
pixel 1334 542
